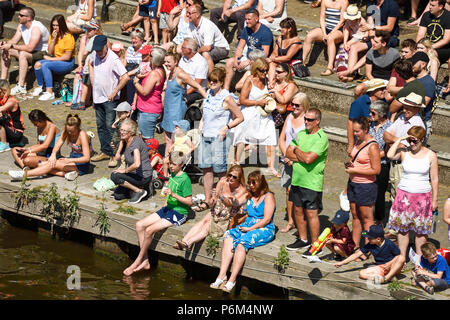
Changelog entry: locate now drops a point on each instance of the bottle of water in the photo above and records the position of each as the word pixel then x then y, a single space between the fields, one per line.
pixel 56 102
pixel 435 215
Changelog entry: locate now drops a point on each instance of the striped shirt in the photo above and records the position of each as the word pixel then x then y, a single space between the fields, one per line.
pixel 133 57
pixel 332 18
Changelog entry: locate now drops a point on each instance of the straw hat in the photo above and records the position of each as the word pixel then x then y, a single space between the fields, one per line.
pixel 352 13
pixel 375 84
pixel 412 100
pixel 269 107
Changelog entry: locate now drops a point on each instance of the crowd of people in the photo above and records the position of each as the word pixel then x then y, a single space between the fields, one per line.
pixel 244 104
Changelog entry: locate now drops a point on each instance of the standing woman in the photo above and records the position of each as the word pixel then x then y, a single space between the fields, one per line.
pixel 330 31
pixel 133 58
pixel 175 94
pixel 48 134
pixel 362 170
pixel 257 230
pixel 256 129
pixel 60 58
pixel 283 91
pixel 379 124
pixel 295 122
pixel 149 100
pixel 70 168
pixel 220 115
pixel 287 48
pixel 86 12
pixel 11 119
pixel 416 197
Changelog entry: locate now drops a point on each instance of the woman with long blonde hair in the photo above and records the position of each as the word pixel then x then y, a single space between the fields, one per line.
pixel 425 45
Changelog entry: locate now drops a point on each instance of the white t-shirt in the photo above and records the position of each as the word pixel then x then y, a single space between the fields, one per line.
pixel 42 45
pixel 207 34
pixel 196 68
pixel 401 126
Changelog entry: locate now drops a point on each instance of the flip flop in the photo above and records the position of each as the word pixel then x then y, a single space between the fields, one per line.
pixel 429 290
pixel 327 72
pixel 183 245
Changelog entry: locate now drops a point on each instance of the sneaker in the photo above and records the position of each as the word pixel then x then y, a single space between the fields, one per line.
pixel 16 175
pixel 112 163
pixel 218 284
pixel 343 201
pixel 228 286
pixel 18 90
pixel 46 96
pixel 72 175
pixel 308 254
pixel 4 147
pixel 78 106
pixel 137 196
pixel 100 157
pixel 298 244
pixel 37 91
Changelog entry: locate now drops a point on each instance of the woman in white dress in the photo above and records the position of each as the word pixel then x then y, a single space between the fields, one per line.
pixel 256 129
pixel 271 12
pixel 86 12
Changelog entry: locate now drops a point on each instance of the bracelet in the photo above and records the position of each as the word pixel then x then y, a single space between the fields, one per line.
pixel 228 127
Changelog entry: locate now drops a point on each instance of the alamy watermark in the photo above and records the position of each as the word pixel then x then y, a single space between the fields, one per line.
pixel 74 280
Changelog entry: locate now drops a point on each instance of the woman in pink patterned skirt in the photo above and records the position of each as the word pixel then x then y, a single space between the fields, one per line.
pixel 416 197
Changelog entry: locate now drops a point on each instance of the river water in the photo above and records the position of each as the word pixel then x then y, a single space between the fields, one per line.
pixel 33 265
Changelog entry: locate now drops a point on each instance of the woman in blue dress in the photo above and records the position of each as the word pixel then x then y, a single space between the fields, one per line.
pixel 257 230
pixel 175 93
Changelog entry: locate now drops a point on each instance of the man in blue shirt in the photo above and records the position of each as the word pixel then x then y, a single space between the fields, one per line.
pixel 255 36
pixel 388 260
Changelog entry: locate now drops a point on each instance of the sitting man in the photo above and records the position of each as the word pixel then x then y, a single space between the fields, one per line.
pixel 435 26
pixel 35 37
pixel 195 66
pixel 254 36
pixel 213 45
pixel 232 13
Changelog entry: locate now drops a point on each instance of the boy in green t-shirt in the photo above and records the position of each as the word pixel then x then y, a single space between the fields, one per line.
pixel 178 194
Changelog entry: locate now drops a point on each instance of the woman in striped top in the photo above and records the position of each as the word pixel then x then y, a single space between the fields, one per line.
pixel 330 31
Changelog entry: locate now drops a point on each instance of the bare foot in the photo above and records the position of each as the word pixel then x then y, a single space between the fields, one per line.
pixel 288 227
pixel 129 271
pixel 143 266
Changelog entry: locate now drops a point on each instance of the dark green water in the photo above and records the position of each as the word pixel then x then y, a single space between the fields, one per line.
pixel 33 265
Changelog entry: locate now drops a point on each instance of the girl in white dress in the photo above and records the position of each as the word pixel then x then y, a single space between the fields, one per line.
pixel 256 129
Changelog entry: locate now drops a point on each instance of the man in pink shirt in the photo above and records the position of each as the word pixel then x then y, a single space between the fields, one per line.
pixel 108 77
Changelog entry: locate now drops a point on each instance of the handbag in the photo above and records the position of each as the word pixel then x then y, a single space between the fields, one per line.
pixel 220 216
pixel 300 70
pixel 277 118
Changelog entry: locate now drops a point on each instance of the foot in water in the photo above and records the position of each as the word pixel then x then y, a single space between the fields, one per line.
pixel 143 266
pixel 131 269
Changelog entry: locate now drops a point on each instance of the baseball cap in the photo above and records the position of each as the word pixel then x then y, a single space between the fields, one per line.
pixel 123 106
pixel 92 25
pixel 117 46
pixel 99 42
pixel 341 217
pixel 152 144
pixel 374 231
pixel 183 125
pixel 146 49
pixel 419 56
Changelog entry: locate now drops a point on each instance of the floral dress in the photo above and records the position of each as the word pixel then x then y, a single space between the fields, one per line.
pixel 253 238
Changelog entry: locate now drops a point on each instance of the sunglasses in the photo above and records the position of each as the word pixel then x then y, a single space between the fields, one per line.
pixel 373 113
pixel 213 81
pixel 232 176
pixel 279 71
pixel 252 182
pixel 22 15
pixel 412 140
pixel 309 119
pixel 296 105
pixel 262 70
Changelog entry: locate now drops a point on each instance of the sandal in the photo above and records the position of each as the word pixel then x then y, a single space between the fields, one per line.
pixel 327 72
pixel 288 227
pixel 429 290
pixel 218 284
pixel 182 245
pixel 228 286
pixel 201 207
pixel 316 4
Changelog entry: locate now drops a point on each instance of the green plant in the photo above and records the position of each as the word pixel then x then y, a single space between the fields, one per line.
pixel 65 210
pixel 102 218
pixel 25 196
pixel 126 209
pixel 72 207
pixel 282 260
pixel 212 244
pixel 394 286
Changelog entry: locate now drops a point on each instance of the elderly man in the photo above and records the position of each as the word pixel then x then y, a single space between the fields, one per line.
pixel 254 36
pixel 309 154
pixel 435 26
pixel 212 44
pixel 108 77
pixel 232 13
pixel 411 105
pixel 35 37
pixel 195 66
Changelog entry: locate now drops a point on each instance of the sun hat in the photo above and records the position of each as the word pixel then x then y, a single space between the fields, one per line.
pixel 412 100
pixel 269 107
pixel 352 13
pixel 375 231
pixel 92 25
pixel 117 46
pixel 375 84
pixel 146 49
pixel 183 125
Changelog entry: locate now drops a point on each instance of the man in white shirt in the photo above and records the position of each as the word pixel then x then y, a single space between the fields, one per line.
pixel 195 66
pixel 409 118
pixel 35 37
pixel 212 44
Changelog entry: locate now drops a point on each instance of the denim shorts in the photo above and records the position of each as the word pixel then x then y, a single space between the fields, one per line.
pixel 146 124
pixel 83 168
pixel 172 216
pixel 363 194
pixel 213 153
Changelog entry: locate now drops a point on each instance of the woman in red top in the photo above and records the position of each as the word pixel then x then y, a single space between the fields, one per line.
pixel 363 168
pixel 11 119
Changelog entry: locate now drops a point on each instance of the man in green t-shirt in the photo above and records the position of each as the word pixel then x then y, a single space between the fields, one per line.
pixel 309 154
